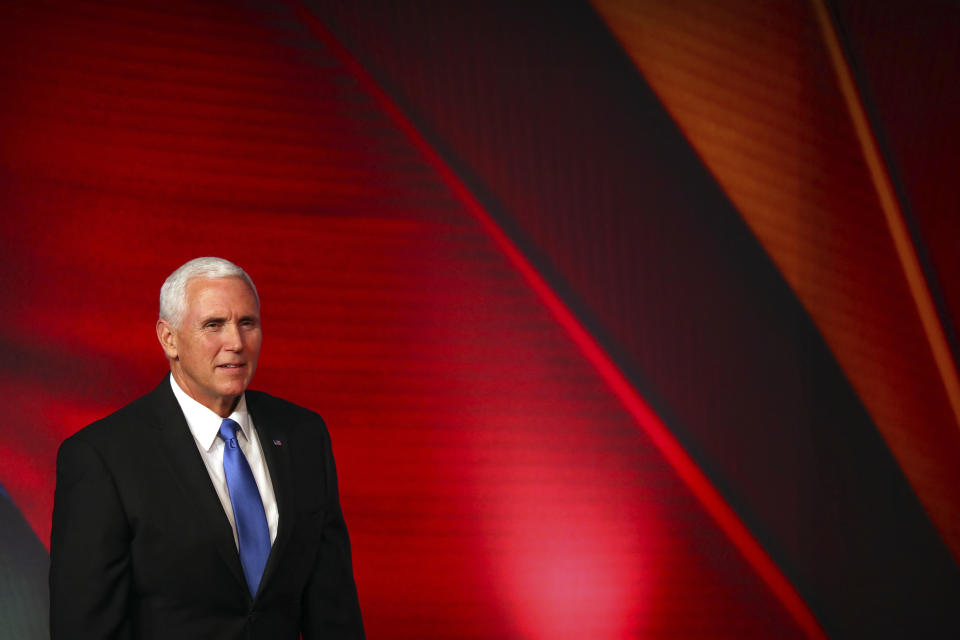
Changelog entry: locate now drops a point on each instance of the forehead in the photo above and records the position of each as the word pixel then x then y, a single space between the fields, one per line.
pixel 209 295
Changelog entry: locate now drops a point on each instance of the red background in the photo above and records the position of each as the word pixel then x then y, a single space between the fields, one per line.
pixel 575 389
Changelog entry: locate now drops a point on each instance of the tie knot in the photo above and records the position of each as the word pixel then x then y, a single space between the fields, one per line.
pixel 228 430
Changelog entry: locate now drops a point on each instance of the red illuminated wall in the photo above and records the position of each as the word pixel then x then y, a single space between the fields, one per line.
pixel 572 394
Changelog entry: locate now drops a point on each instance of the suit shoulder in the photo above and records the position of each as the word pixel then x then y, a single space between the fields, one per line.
pixel 260 401
pixel 114 428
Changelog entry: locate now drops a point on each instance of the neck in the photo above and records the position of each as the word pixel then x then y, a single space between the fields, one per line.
pixel 223 406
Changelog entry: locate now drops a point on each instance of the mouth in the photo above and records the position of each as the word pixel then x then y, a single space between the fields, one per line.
pixel 232 366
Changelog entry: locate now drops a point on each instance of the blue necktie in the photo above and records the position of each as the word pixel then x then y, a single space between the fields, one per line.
pixel 253 534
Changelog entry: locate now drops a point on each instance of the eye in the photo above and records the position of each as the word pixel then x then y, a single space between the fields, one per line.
pixel 211 325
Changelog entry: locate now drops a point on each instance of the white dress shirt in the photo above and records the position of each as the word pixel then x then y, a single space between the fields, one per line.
pixel 205 425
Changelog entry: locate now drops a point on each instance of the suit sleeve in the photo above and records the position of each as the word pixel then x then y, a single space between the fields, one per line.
pixel 331 608
pixel 89 550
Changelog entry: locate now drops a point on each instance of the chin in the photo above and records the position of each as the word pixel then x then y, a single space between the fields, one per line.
pixel 232 390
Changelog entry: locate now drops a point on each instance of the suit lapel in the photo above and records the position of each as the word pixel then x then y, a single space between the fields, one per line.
pixel 273 443
pixel 180 450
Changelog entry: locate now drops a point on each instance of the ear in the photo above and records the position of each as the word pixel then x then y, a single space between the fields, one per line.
pixel 168 339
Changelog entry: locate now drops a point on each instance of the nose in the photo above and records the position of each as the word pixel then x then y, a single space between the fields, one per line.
pixel 232 338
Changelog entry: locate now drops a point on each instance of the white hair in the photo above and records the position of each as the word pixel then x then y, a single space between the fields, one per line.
pixel 173 293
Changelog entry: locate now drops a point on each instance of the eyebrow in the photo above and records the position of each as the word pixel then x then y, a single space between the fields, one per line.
pixel 222 319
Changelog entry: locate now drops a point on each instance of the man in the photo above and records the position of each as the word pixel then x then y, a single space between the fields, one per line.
pixel 202 510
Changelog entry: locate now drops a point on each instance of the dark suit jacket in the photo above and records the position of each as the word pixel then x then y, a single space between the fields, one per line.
pixel 141 547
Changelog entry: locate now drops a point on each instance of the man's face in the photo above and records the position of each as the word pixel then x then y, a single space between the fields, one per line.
pixel 213 354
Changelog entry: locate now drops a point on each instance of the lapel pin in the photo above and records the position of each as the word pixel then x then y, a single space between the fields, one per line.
pixel 277 443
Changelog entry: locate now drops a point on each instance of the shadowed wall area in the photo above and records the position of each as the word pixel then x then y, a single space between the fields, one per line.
pixel 603 304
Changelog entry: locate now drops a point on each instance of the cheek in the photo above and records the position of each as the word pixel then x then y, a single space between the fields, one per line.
pixel 206 348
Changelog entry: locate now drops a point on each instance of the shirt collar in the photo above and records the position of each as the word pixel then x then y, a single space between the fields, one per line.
pixel 205 424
